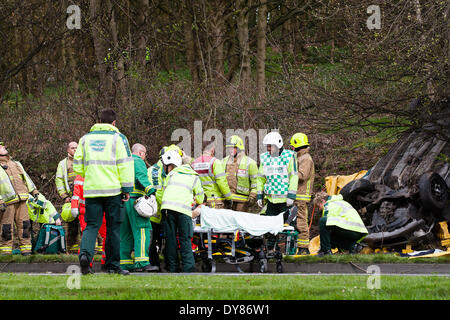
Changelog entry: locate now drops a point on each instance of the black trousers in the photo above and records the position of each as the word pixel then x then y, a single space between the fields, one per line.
pixel 334 237
pixel 114 209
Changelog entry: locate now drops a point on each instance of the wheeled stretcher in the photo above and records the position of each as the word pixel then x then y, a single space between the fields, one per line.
pixel 241 237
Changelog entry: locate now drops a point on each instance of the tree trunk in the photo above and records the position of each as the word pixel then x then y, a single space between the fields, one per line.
pixel 189 44
pixel 119 78
pixel 261 50
pixel 141 21
pixel 99 49
pixel 242 26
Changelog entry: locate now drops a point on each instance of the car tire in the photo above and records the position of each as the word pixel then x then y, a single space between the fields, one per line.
pixel 355 188
pixel 433 191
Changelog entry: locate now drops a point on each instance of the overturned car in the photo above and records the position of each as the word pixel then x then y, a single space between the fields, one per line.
pixel 406 193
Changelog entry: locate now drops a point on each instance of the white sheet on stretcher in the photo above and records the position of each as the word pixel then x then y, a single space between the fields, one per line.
pixel 223 220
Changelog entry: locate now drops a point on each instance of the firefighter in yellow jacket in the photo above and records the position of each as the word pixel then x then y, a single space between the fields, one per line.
pixel 64 181
pixel 242 174
pixel 305 171
pixel 15 188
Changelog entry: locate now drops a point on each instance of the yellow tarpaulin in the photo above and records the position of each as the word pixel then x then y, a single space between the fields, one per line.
pixel 334 184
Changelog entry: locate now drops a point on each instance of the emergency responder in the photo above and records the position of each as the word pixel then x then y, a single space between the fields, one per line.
pixel 213 178
pixel 242 174
pixel 15 188
pixel 64 185
pixel 340 225
pixel 305 171
pixel 104 160
pixel 156 175
pixel 78 210
pixel 136 231
pixel 277 178
pixel 181 187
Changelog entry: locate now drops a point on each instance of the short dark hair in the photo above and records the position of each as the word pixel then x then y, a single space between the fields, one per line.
pixel 207 145
pixel 107 116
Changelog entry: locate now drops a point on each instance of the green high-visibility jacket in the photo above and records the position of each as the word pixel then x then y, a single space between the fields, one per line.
pixel 7 192
pixel 142 185
pixel 156 176
pixel 341 214
pixel 62 179
pixel 103 158
pixel 181 188
pixel 277 177
pixel 247 176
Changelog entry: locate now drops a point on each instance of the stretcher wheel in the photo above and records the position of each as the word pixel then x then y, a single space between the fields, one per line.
pixel 206 266
pixel 263 265
pixel 279 267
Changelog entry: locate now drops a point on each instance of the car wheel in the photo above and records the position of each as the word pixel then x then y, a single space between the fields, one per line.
pixel 354 188
pixel 433 191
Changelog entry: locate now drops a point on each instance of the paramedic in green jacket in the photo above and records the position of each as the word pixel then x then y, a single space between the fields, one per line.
pixel 340 226
pixel 135 230
pixel 103 158
pixel 182 187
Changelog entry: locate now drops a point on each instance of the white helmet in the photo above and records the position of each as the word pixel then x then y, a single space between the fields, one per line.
pixel 146 206
pixel 171 157
pixel 273 138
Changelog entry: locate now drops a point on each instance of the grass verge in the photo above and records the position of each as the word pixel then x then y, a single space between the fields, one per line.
pixel 220 287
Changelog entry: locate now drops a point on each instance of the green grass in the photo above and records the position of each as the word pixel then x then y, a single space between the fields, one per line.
pixel 219 287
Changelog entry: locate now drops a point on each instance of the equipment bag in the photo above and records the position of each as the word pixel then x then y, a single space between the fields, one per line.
pixel 51 239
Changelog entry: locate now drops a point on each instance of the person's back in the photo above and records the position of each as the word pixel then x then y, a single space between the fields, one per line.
pixel 104 159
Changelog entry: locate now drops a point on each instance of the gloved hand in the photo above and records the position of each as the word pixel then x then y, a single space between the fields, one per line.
pixel 228 204
pixel 260 203
pixel 251 201
pixel 289 202
pixel 2 207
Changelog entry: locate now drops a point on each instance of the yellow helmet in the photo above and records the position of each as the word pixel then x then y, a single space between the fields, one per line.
pixel 66 213
pixel 299 140
pixel 176 148
pixel 235 141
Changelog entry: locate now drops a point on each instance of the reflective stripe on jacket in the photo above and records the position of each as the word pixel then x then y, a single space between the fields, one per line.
pixel 277 177
pixel 103 158
pixel 341 214
pixel 305 169
pixel 213 177
pixel 246 177
pixel 181 188
pixel 156 176
pixel 62 179
pixel 7 190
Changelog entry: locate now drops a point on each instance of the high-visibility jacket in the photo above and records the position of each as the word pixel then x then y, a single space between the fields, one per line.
pixel 63 178
pixel 8 192
pixel 48 215
pixel 78 204
pixel 213 177
pixel 142 185
pixel 103 158
pixel 305 168
pixel 243 181
pixel 341 214
pixel 78 209
pixel 182 188
pixel 156 176
pixel 277 177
